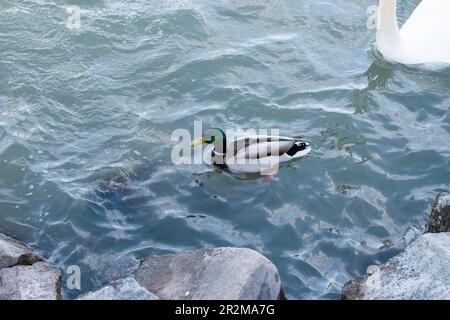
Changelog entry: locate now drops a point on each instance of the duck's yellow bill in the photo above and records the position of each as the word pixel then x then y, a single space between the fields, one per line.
pixel 198 142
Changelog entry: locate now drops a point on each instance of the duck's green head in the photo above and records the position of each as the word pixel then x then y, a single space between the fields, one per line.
pixel 211 136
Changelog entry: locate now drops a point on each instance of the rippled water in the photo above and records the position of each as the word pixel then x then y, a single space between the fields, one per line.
pixel 87 116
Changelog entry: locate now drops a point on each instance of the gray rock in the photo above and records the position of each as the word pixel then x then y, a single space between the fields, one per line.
pixel 36 282
pixel 14 253
pixel 221 273
pixel 124 289
pixel 421 272
pixel 440 215
pixel 23 275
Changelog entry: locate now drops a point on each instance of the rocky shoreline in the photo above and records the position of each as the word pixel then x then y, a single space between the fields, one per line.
pixel 421 271
pixel 207 274
pixel 219 273
pixel 25 275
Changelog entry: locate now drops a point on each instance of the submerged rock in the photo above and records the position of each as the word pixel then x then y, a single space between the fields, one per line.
pixel 124 289
pixel 440 215
pixel 23 274
pixel 421 272
pixel 36 282
pixel 207 274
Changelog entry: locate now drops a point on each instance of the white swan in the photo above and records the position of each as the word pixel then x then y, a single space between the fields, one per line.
pixel 423 39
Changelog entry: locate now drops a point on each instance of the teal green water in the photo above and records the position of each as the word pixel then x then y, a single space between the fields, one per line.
pixel 87 114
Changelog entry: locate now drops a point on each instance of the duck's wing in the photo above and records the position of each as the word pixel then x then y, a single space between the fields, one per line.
pixel 259 147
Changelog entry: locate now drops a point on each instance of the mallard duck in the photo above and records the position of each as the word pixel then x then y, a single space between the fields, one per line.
pixel 252 154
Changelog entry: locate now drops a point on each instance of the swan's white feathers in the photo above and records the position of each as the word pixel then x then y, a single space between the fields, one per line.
pixel 424 38
pixel 426 34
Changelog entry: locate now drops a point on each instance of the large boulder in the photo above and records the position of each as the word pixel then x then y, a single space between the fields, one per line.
pixel 14 253
pixel 36 282
pixel 124 289
pixel 221 273
pixel 421 272
pixel 23 274
pixel 440 215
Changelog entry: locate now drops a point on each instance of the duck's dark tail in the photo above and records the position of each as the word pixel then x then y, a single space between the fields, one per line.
pixel 297 147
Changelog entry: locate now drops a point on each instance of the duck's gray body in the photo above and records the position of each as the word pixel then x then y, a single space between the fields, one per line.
pixel 258 153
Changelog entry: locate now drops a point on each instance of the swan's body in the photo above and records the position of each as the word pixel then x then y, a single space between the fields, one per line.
pixel 252 154
pixel 423 39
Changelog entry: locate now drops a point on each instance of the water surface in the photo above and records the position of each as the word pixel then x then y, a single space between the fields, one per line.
pixel 86 117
